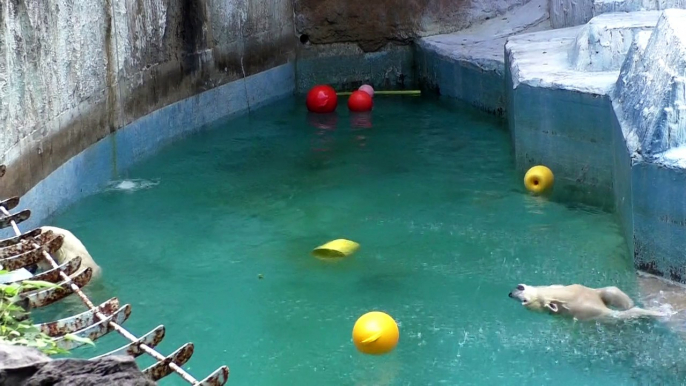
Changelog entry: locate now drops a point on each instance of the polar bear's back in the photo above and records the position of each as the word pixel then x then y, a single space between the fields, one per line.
pixel 72 247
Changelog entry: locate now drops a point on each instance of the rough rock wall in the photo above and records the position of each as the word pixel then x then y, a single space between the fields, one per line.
pixel 73 71
pixel 373 24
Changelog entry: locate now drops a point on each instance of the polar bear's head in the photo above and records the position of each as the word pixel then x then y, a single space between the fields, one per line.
pixel 532 298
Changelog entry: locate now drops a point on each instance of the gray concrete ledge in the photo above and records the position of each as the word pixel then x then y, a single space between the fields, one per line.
pixel 469 65
pixel 571 13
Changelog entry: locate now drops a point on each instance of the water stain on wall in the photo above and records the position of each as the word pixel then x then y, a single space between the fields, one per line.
pixel 76 71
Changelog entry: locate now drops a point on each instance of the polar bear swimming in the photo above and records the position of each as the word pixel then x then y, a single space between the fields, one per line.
pixel 71 247
pixel 581 302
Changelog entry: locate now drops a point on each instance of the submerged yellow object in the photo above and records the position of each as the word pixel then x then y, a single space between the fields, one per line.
pixel 336 248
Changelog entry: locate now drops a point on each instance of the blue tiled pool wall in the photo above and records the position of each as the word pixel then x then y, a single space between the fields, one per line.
pixel 453 78
pixel 622 193
pixel 658 217
pixel 651 218
pixel 575 143
pixel 584 145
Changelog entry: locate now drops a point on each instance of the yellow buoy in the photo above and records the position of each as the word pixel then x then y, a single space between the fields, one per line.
pixel 538 179
pixel 375 333
pixel 336 248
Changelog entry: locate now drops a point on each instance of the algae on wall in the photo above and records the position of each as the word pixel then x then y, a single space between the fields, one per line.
pixel 73 71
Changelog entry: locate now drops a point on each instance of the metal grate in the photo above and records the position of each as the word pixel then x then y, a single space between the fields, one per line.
pixel 28 248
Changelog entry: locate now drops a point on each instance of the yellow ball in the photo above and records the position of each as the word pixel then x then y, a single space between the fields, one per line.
pixel 538 179
pixel 375 333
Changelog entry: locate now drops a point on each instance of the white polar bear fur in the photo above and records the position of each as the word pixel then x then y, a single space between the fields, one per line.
pixel 581 302
pixel 71 247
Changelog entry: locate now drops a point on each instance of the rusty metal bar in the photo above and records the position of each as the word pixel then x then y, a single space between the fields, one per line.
pixel 16 239
pixel 18 248
pixel 162 368
pixel 151 339
pixel 98 329
pixel 42 298
pixel 217 378
pixel 10 203
pixel 53 275
pixel 77 322
pixel 14 219
pixel 31 257
pixel 75 288
pixel 165 364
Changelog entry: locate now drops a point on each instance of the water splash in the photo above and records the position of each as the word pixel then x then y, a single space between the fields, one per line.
pixel 131 186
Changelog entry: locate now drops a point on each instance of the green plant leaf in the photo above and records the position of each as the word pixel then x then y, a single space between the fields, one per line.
pixel 16 329
pixel 78 339
pixel 10 290
pixel 38 284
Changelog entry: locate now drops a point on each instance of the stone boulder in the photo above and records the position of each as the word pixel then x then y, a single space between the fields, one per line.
pixel 23 366
pixel 18 363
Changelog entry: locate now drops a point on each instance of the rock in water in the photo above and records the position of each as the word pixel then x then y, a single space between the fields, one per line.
pixel 111 371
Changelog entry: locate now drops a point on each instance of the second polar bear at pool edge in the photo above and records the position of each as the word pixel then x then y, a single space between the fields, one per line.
pixel 71 247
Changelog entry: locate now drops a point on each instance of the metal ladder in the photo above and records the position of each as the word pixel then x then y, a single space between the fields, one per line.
pixel 28 248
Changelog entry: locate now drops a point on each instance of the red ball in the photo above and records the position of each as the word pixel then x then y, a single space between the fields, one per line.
pixel 360 101
pixel 322 99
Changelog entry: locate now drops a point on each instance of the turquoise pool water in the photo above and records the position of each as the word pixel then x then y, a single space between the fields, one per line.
pixel 427 187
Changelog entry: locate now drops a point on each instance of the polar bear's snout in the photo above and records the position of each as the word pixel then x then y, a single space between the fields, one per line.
pixel 517 293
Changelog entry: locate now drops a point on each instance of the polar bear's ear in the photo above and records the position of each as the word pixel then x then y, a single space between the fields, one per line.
pixel 552 306
pixel 555 306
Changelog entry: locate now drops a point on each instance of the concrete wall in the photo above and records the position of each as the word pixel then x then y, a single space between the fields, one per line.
pixel 373 24
pixel 649 101
pixel 72 72
pixel 621 174
pixel 569 13
pixel 469 65
pixel 346 67
pixel 349 43
pixel 574 142
pixel 478 83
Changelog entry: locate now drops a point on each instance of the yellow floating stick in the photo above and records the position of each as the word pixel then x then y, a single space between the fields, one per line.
pixel 389 92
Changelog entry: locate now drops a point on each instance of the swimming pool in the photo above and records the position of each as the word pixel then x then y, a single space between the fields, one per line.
pixel 427 187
